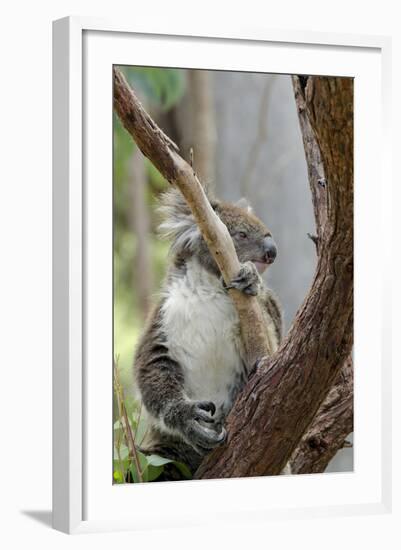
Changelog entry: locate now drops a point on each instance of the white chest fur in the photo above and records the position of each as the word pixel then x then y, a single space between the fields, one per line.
pixel 202 330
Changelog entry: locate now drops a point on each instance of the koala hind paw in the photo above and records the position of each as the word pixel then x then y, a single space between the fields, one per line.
pixel 201 430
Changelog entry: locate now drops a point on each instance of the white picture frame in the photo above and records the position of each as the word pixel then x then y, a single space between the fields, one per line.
pixel 83 51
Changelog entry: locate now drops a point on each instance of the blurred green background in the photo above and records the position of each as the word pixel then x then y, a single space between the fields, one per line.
pixel 159 89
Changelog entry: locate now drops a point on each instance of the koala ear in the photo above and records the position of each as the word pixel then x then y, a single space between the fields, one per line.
pixel 244 204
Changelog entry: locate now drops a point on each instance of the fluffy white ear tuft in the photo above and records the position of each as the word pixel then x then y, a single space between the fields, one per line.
pixel 178 222
pixel 244 204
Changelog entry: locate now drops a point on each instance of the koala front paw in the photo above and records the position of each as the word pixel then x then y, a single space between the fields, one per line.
pixel 199 427
pixel 248 279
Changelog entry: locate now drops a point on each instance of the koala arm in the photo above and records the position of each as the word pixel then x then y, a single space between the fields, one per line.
pixel 162 386
pixel 271 306
pixel 250 282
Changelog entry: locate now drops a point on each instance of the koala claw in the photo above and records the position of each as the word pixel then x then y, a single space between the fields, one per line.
pixel 200 414
pixel 208 406
pixel 248 280
pixel 201 430
pixel 205 439
pixel 204 411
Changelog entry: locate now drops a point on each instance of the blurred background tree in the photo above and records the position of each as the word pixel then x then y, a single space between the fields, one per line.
pixel 244 132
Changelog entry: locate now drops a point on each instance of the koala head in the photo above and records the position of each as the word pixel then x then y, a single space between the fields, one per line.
pixel 252 240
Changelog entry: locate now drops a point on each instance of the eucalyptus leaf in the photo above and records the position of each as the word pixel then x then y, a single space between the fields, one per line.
pixel 144 467
pixel 156 460
pixel 134 473
pixel 153 472
pixel 141 430
pixel 121 452
pixel 186 472
pixel 118 477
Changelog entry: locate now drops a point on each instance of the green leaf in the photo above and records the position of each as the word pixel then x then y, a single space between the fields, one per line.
pixel 143 460
pixel 124 452
pixel 156 460
pixel 134 472
pixel 186 472
pixel 118 477
pixel 152 467
pixel 141 430
pixel 153 472
pixel 143 465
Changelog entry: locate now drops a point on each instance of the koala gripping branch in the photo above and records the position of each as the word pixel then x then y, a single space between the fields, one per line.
pixel 277 409
pixel 163 153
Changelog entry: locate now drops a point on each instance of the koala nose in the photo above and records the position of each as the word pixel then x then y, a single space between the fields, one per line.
pixel 270 249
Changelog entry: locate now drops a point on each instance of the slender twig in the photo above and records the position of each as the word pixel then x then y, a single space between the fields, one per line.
pixel 138 420
pixel 126 425
pixel 314 239
pixel 120 462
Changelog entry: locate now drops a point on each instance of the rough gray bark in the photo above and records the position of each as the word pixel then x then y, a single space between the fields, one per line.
pixel 335 419
pixel 330 427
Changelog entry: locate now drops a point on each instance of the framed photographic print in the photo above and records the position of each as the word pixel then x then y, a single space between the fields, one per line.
pixel 219 205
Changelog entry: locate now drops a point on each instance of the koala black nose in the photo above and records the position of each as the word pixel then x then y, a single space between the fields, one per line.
pixel 270 249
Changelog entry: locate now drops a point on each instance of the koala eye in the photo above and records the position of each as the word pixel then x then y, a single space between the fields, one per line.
pixel 242 235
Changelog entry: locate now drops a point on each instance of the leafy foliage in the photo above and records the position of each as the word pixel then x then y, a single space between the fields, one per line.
pixel 161 87
pixel 139 468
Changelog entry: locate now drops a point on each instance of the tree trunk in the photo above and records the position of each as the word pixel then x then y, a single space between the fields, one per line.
pixel 280 401
pixel 203 125
pixel 329 429
pixel 194 120
pixel 334 420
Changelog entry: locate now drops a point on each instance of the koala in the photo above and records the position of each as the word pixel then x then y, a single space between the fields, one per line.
pixel 190 363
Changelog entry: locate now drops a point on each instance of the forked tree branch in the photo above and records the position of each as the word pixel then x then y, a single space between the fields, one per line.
pixel 279 404
pixel 329 429
pixel 334 420
pixel 280 401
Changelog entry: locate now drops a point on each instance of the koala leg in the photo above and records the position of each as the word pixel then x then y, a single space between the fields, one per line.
pixel 194 420
pixel 247 280
pixel 161 384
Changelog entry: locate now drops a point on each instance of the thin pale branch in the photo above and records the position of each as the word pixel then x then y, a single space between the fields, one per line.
pixel 159 149
pixel 126 426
